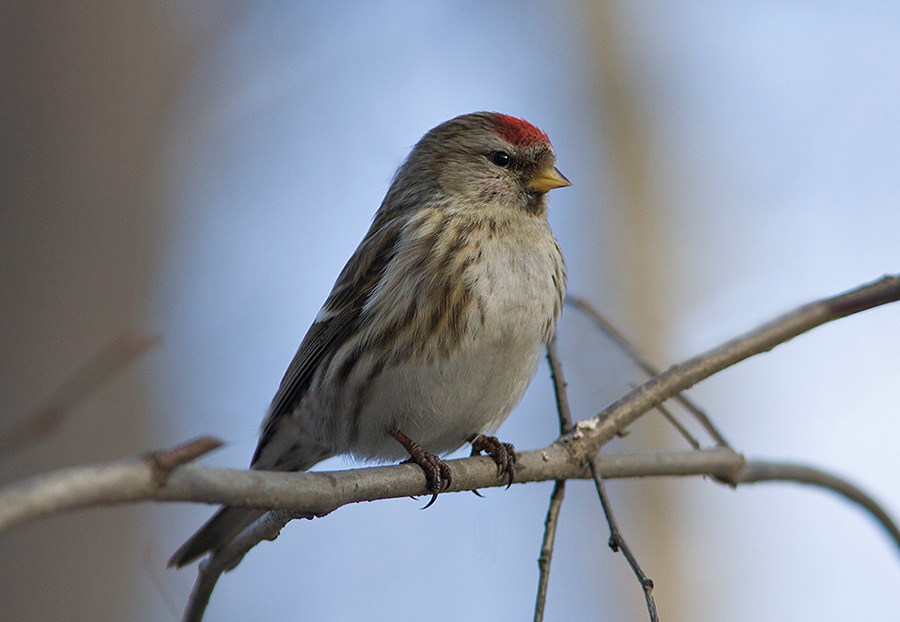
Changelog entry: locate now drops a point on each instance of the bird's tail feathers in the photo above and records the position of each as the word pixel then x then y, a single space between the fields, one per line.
pixel 224 526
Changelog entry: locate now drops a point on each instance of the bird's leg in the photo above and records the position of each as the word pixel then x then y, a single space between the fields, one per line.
pixel 437 474
pixel 504 454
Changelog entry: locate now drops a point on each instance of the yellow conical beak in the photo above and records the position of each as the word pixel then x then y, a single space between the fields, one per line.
pixel 547 180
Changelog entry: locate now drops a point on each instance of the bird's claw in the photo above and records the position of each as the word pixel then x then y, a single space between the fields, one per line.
pixel 437 474
pixel 504 454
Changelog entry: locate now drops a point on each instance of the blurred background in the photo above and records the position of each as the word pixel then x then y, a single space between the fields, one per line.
pixel 202 170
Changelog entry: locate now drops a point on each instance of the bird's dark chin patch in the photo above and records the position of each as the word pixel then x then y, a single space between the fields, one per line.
pixel 535 203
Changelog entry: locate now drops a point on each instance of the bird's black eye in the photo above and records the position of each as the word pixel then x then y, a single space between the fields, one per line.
pixel 501 159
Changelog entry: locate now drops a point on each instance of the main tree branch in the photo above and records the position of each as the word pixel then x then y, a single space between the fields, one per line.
pixel 167 476
pixel 316 493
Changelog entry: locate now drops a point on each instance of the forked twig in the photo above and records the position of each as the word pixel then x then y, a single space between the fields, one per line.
pixel 617 542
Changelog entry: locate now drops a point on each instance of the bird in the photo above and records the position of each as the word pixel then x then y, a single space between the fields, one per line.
pixel 435 327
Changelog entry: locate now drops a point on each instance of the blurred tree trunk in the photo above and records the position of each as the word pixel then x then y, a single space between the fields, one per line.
pixel 648 514
pixel 85 89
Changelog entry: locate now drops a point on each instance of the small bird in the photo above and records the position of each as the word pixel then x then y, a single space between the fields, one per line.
pixel 435 326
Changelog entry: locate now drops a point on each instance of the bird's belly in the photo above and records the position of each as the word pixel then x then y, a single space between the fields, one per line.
pixel 442 404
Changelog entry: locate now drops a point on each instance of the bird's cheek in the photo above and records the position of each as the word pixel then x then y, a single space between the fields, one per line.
pixel 493 190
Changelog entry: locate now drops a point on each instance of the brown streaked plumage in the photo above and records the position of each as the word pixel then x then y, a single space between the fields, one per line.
pixel 434 328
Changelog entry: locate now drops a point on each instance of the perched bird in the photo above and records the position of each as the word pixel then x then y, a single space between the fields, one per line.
pixel 435 326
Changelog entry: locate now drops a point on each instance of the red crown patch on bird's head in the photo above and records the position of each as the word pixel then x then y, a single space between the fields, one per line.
pixel 519 132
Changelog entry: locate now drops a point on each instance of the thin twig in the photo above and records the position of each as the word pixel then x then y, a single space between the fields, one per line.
pixel 163 462
pixel 559 489
pixel 679 427
pixel 47 418
pixel 550 524
pixel 607 327
pixel 675 423
pixel 559 387
pixel 617 542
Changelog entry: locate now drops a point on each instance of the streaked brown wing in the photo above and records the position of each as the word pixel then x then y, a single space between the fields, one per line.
pixel 340 319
